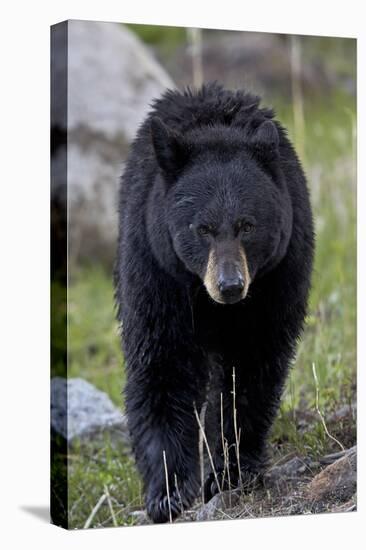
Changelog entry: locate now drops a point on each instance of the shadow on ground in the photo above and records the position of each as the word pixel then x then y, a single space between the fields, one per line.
pixel 40 512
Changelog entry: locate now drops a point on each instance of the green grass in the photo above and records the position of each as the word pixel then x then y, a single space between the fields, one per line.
pixel 95 355
pixel 92 468
pixel 329 340
pixel 94 344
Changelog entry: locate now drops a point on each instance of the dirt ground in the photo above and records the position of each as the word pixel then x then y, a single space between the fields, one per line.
pixel 292 484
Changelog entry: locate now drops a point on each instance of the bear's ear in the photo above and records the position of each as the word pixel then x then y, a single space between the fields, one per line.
pixel 264 140
pixel 170 149
pixel 242 116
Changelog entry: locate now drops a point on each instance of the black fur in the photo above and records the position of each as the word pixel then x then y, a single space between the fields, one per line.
pixel 207 159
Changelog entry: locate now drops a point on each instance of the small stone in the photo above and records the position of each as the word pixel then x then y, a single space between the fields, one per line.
pixel 140 517
pixel 290 469
pixel 220 502
pixel 349 506
pixel 341 414
pixel 286 475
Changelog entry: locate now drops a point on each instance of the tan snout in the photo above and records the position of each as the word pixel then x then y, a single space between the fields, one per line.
pixel 227 277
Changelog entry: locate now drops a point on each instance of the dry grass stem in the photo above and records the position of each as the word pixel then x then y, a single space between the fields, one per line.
pixel 94 511
pixel 225 448
pixel 200 448
pixel 109 500
pixel 208 449
pixel 179 495
pixel 167 486
pixel 236 432
pixel 227 466
pixel 319 412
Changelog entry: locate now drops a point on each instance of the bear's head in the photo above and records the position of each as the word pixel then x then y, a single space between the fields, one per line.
pixel 226 202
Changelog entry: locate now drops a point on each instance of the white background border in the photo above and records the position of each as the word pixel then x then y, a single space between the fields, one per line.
pixel 24 398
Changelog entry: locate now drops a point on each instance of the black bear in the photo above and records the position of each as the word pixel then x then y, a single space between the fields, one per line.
pixel 213 269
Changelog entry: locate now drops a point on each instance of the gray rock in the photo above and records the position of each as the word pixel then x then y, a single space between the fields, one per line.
pixel 79 410
pixel 349 506
pixel 217 505
pixel 344 412
pixel 140 517
pixel 294 487
pixel 112 79
pixel 288 473
pixel 337 481
pixel 329 459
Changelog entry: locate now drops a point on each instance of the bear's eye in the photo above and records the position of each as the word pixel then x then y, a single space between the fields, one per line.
pixel 205 230
pixel 248 227
pixel 244 226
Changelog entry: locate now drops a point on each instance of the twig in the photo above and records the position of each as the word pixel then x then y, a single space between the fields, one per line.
pixel 222 423
pixel 224 514
pixel 200 449
pixel 237 434
pixel 208 449
pixel 330 458
pixel 167 487
pixel 318 410
pixel 95 510
pixel 178 493
pixel 225 447
pixel 351 508
pixel 227 466
pixel 106 492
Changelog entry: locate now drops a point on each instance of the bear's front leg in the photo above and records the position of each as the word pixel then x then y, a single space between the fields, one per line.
pixel 160 401
pixel 166 380
pixel 249 406
pixel 252 389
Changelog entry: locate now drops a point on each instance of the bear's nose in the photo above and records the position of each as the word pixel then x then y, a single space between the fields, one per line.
pixel 231 288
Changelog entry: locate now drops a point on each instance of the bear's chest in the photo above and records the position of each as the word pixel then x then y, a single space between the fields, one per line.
pixel 219 328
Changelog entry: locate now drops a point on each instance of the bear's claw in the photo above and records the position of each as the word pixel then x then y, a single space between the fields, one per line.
pixel 162 509
pixel 215 484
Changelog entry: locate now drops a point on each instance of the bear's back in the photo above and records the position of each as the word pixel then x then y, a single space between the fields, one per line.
pixel 210 105
pixel 189 110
